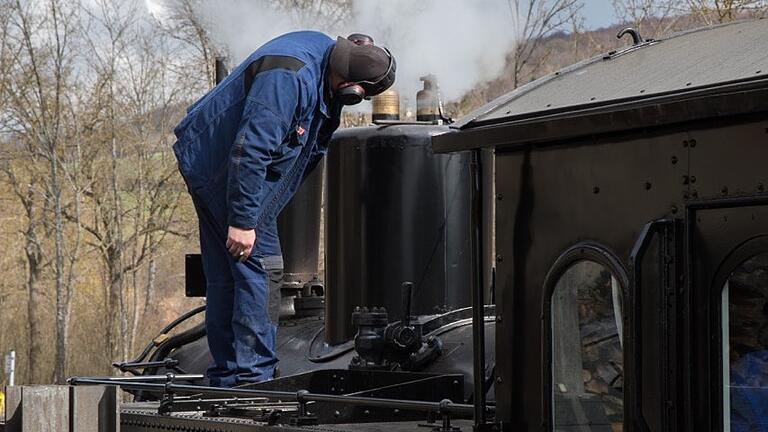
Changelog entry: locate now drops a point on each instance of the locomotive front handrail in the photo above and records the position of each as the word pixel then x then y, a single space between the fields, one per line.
pixel 443 407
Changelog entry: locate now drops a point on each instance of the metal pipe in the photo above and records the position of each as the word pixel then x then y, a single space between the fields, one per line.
pixel 221 69
pixel 478 288
pixel 165 330
pixel 403 122
pixel 150 378
pixel 445 406
pixel 407 292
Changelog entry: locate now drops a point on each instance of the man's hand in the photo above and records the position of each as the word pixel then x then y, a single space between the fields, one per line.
pixel 240 242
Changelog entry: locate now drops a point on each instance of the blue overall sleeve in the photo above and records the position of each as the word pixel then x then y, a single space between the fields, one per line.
pixel 272 107
pixel 323 138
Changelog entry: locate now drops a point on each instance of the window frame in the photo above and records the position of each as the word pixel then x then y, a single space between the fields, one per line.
pixel 582 251
pixel 746 250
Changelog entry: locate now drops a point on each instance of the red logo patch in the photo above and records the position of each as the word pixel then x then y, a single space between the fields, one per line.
pixel 300 130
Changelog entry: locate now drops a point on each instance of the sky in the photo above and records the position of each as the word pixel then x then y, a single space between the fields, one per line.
pixel 414 30
pixel 598 13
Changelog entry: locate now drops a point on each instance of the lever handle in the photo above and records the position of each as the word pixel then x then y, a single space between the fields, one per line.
pixel 407 292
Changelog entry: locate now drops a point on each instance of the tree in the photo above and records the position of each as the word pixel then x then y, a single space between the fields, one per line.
pixel 323 14
pixel 532 22
pixel 186 25
pixel 719 11
pixel 652 18
pixel 37 114
pixel 134 195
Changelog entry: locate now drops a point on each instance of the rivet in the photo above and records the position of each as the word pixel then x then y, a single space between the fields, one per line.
pixel 595 190
pixel 336 414
pixel 687 84
pixel 760 187
pixel 647 186
pixel 694 194
pixel 366 412
pixel 592 98
pixel 693 143
pixel 685 143
pixel 499 258
pixel 499 380
pixel 693 179
pixel 498 318
pixel 499 197
pixel 397 411
pixel 549 105
pixel 673 209
pixel 674 160
pixel 642 91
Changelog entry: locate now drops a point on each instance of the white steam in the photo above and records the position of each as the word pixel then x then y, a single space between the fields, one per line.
pixel 463 42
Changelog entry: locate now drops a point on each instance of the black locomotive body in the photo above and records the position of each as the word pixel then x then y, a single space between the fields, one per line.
pixel 647 163
pixel 631 262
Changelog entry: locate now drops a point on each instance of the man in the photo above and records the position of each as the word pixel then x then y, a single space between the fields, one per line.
pixel 243 150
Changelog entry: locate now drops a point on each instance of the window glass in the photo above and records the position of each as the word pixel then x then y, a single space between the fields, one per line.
pixel 587 369
pixel 745 347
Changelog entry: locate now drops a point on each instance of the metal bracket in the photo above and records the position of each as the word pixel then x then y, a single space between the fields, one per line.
pixel 303 417
pixel 166 404
pixel 168 363
pixel 444 412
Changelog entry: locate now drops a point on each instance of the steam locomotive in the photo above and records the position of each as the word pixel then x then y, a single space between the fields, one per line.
pixel 623 287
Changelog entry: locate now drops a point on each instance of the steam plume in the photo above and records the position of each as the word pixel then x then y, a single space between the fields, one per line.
pixel 462 42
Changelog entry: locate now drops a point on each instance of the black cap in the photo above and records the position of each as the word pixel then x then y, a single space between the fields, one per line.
pixel 359 63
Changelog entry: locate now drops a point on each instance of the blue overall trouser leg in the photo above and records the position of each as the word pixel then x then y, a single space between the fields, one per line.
pixel 243 303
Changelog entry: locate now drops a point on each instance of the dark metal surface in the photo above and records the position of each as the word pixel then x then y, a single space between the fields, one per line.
pixel 301 348
pixel 146 421
pixel 694 59
pixel 715 104
pixel 395 212
pixel 301 396
pixel 377 384
pixel 478 287
pixel 194 277
pixel 220 69
pixel 582 179
pixel 604 190
pixel 681 145
pixel 299 228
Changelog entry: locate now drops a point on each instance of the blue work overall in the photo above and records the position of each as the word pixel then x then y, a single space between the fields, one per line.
pixel 243 150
